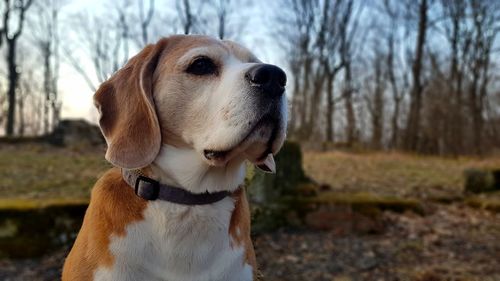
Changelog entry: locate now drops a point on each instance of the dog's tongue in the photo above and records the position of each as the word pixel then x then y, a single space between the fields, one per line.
pixel 268 165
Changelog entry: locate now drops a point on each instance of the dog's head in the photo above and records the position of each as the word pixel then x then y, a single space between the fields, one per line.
pixel 194 92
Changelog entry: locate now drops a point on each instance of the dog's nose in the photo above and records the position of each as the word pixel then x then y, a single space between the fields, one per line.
pixel 269 78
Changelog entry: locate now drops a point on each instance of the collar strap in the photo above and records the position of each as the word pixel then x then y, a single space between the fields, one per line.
pixel 150 189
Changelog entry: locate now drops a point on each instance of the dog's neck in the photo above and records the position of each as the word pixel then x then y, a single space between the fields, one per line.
pixel 184 167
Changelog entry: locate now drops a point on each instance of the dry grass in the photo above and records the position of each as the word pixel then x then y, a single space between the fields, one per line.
pixel 393 174
pixel 30 171
pixel 34 171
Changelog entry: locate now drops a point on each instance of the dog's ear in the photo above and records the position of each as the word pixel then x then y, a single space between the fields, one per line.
pixel 128 118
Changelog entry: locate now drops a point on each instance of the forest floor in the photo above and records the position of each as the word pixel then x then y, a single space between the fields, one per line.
pixel 449 241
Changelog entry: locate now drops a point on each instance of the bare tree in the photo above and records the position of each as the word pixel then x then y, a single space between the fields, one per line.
pixel 296 32
pixel 10 36
pixel 222 9
pixel 413 123
pixel 26 94
pixel 33 103
pixel 44 26
pixel 331 59
pixel 375 98
pixel 104 40
pixel 458 37
pixel 347 29
pixel 395 72
pixel 320 35
pixel 189 14
pixel 485 17
pixel 145 19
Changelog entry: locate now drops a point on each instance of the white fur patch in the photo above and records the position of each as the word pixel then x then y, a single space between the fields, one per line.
pixel 176 242
pixel 185 167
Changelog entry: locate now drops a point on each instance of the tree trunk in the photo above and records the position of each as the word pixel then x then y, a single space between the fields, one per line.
pixel 314 105
pixel 330 110
pixel 305 97
pixel 395 123
pixel 222 25
pixel 292 126
pixel 479 105
pixel 413 124
pixel 349 108
pixel 454 136
pixel 46 88
pixel 13 77
pixel 378 109
pixel 396 95
pixel 189 17
pixel 22 123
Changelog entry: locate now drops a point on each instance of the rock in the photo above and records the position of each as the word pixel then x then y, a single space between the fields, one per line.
pixel 75 132
pixel 336 218
pixel 343 220
pixel 496 178
pixel 478 181
pixel 364 224
pixel 367 261
pixel 291 258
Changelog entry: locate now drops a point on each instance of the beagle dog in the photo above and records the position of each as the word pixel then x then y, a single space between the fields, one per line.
pixel 180 119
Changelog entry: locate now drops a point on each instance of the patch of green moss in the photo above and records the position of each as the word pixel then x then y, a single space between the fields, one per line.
pixel 21 204
pixel 8 229
pixel 490 204
pixel 446 199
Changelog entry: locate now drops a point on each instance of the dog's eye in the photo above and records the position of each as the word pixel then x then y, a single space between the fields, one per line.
pixel 202 66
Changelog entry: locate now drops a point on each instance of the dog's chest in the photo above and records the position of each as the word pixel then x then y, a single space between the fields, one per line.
pixel 176 242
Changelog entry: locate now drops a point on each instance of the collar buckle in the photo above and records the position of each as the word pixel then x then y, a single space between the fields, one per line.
pixel 147 188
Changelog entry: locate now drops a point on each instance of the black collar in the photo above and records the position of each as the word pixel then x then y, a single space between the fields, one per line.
pixel 150 189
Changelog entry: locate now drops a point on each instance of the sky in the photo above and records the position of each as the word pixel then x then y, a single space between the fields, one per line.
pixel 77 96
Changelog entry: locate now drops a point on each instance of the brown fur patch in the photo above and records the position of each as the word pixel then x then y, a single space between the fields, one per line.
pixel 239 227
pixel 113 206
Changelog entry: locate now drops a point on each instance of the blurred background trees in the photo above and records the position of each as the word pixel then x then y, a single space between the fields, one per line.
pixel 420 76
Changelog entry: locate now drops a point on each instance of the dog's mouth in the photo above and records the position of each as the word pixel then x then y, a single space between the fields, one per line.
pixel 258 146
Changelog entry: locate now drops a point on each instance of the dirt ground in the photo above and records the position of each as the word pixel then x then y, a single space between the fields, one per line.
pixel 453 243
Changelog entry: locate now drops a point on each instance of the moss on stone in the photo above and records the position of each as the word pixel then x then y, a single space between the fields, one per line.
pixel 22 204
pixel 477 181
pixel 30 229
pixel 490 204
